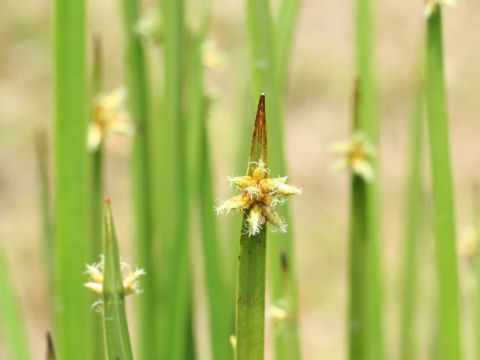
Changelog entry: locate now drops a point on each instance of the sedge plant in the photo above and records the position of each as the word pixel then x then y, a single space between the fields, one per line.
pixel 70 177
pixel 270 43
pixel 170 215
pixel 368 124
pixel 413 215
pixel 112 280
pixel 260 195
pixel 200 186
pixel 358 155
pixel 139 102
pixel 444 223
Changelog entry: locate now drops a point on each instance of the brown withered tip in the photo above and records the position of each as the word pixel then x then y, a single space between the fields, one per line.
pixel 106 200
pixel 284 261
pixel 259 138
pixel 50 347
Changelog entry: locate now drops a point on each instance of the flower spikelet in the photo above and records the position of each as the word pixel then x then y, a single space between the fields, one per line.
pixel 260 195
pixel 109 116
pixel 130 278
pixel 357 156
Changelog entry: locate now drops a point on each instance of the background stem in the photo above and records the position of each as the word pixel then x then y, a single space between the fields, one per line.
pixel 444 217
pixel 71 189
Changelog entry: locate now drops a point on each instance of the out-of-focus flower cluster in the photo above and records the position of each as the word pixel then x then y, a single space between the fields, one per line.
pixel 129 278
pixel 357 156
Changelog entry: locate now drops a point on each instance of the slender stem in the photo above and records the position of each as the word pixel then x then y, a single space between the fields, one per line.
pixel 171 212
pixel 139 100
pixel 369 125
pixel 95 216
pixel 284 31
pixel 446 259
pixel 282 259
pixel 265 51
pixel 357 272
pixel 12 320
pixel 41 144
pixel 216 289
pixel 358 255
pixel 250 316
pixel 412 235
pixel 95 163
pixel 117 339
pixel 71 190
pixel 199 168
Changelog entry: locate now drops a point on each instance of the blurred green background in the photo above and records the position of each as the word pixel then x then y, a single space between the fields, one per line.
pixel 318 112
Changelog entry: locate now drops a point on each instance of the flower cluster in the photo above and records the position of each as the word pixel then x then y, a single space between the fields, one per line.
pixel 358 154
pixel 431 5
pixel 129 278
pixel 212 56
pixel 150 28
pixel 468 246
pixel 109 116
pixel 259 198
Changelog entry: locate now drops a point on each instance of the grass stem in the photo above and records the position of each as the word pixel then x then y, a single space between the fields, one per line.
pixel 444 222
pixel 139 102
pixel 250 315
pixel 117 339
pixel 71 189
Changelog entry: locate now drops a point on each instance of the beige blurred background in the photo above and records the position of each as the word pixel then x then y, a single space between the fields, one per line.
pixel 317 113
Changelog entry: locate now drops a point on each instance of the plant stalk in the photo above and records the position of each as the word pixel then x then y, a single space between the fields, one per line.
pixel 117 340
pixel 444 215
pixel 250 316
pixel 139 102
pixel 71 189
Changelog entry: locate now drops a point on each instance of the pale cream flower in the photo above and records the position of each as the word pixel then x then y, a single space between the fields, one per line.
pixel 468 246
pixel 212 57
pixel 109 116
pixel 150 28
pixel 258 200
pixel 357 155
pixel 233 342
pixel 278 313
pixel 129 277
pixel 431 5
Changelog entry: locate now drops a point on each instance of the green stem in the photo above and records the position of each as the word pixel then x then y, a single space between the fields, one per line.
pixel 446 259
pixel 117 340
pixel 171 212
pixel 268 58
pixel 358 254
pixel 71 190
pixel 41 144
pixel 369 125
pixel 250 316
pixel 216 289
pixel 139 100
pixel 95 214
pixel 199 168
pixel 357 273
pixel 284 31
pixel 96 199
pixel 11 314
pixel 412 235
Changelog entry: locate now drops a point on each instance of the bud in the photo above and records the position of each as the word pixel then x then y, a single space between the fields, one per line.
pixel 238 203
pixel 255 220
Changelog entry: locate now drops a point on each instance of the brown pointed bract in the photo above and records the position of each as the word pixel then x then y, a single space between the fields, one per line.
pixel 259 139
pixel 50 348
